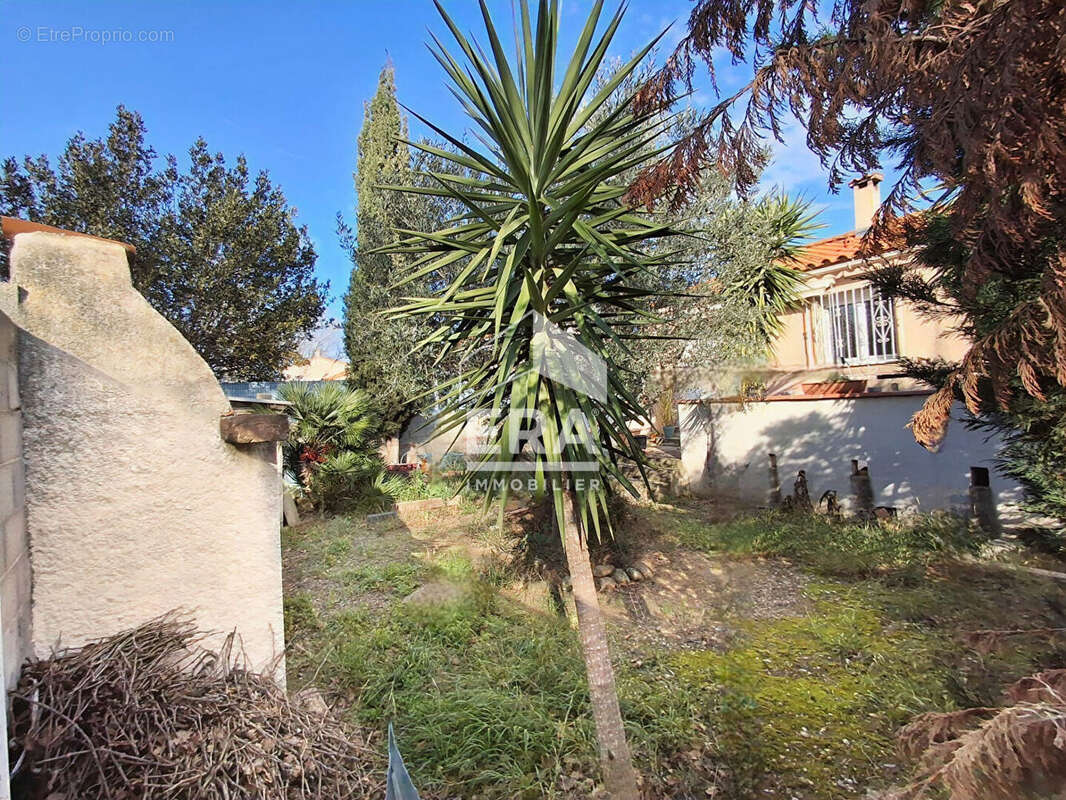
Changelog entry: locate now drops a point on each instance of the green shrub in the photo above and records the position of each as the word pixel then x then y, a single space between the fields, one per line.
pixel 331 452
pixel 417 487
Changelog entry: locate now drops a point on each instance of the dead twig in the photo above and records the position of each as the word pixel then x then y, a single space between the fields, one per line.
pixel 150 713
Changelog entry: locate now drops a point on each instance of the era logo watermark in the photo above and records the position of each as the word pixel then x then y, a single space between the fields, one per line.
pixel 526 445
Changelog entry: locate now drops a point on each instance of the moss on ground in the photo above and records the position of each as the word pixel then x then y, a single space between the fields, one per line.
pixel 489 698
pixel 807 707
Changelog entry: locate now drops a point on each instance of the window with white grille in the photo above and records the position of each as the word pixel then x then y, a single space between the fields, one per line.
pixel 858 327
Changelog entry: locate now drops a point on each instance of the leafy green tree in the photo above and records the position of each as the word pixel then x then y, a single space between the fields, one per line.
pixel 722 293
pixel 729 284
pixel 234 274
pixel 331 450
pixel 218 252
pixel 545 235
pixel 110 187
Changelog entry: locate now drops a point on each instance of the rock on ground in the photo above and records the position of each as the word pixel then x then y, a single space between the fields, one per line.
pixel 437 593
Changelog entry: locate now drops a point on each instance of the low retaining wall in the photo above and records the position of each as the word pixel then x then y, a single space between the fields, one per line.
pixel 726 449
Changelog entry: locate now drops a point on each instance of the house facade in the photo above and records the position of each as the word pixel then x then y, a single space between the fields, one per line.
pixel 845 328
pixel 833 401
pixel 318 367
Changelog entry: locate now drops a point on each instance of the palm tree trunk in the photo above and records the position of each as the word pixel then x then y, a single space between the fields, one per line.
pixel 618 774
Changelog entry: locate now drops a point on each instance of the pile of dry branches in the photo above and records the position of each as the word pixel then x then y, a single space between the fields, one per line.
pixel 151 713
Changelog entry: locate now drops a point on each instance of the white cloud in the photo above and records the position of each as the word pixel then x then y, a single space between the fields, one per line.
pixel 794 167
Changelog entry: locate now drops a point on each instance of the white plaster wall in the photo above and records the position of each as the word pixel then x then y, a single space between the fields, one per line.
pixel 725 449
pixel 422 434
pixel 135 505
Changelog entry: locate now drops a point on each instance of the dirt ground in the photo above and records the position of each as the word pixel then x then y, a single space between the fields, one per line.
pixel 798 681
pixel 689 602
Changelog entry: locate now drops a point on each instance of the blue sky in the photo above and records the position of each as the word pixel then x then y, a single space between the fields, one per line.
pixel 283 83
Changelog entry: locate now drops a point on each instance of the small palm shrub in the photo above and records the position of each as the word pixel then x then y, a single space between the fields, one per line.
pixel 332 450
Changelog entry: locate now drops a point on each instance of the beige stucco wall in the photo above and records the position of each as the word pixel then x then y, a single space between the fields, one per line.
pixel 135 505
pixel 790 348
pixel 917 335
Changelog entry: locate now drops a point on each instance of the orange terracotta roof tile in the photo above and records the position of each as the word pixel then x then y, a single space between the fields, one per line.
pixel 13 226
pixel 833 250
pixel 851 245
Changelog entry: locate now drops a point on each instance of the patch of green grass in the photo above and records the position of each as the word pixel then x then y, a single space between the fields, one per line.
pixel 835 547
pixel 398 577
pixel 336 552
pixel 418 487
pixel 490 700
pixel 809 706
pixel 455 567
pixel 300 615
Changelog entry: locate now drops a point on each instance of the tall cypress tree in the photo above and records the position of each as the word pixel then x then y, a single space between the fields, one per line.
pixel 379 350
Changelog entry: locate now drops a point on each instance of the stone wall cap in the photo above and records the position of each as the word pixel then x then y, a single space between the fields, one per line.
pixel 13 226
pixel 254 428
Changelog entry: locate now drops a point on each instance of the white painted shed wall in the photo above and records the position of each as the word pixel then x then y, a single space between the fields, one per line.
pixel 725 449
pixel 134 504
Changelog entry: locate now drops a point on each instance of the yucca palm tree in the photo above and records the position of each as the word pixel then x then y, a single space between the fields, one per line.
pixel 546 239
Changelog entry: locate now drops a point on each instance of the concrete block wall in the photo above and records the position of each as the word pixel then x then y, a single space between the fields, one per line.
pixel 15 573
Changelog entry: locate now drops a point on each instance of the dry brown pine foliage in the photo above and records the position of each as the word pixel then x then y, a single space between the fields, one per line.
pixel 993 754
pixel 966 94
pixel 150 713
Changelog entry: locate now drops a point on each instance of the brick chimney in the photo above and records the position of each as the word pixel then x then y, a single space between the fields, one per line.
pixel 867 191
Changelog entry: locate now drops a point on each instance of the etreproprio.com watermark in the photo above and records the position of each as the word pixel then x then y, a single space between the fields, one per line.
pixel 47 34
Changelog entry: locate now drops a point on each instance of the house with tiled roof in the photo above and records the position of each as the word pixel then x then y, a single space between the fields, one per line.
pixel 318 367
pixel 827 417
pixel 844 328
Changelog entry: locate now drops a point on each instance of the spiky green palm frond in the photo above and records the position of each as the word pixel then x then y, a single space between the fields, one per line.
pixel 545 231
pixel 328 414
pixel 331 450
pixel 773 285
